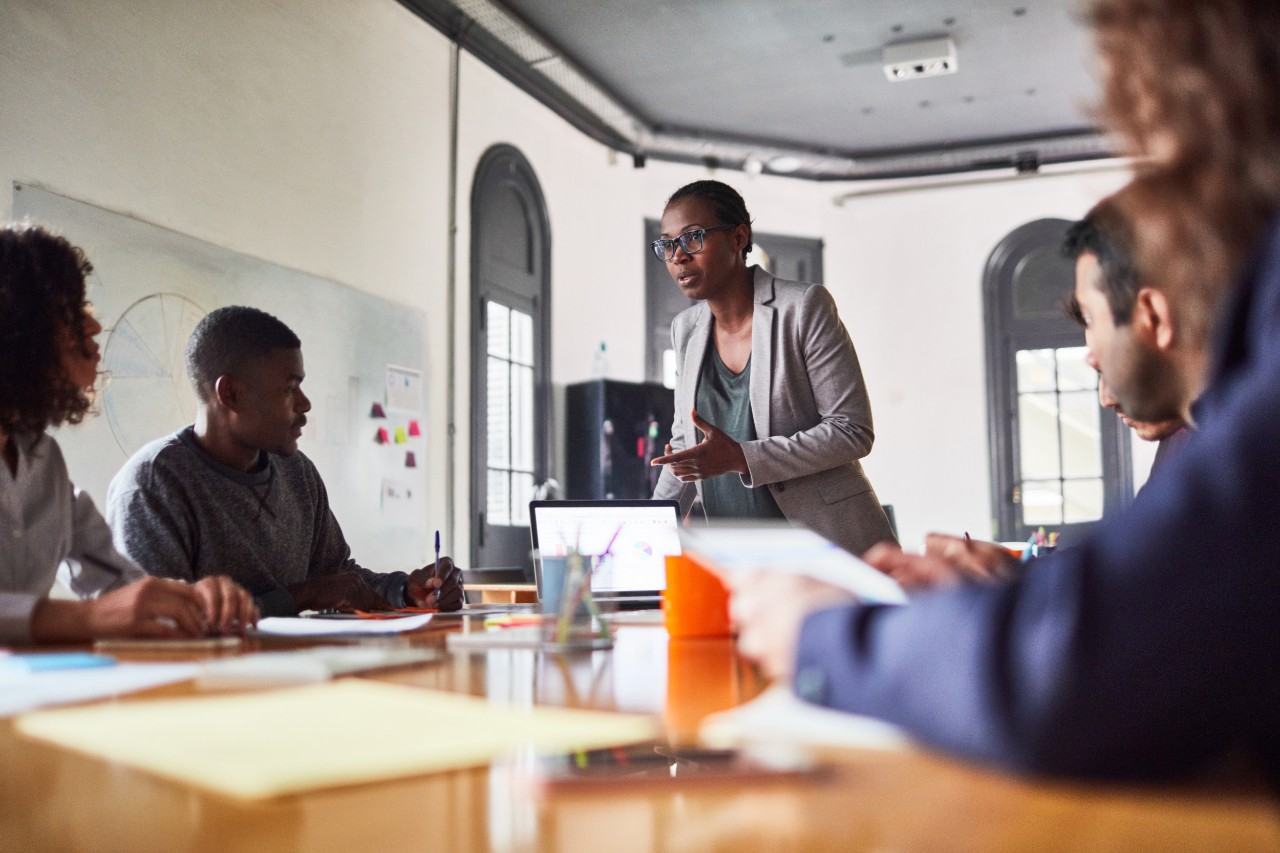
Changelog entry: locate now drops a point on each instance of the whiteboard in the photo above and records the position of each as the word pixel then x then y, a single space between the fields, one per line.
pixel 150 286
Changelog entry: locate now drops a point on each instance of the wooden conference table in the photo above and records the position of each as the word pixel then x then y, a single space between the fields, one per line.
pixel 52 799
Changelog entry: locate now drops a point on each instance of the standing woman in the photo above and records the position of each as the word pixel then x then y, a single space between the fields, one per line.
pixel 768 375
pixel 48 366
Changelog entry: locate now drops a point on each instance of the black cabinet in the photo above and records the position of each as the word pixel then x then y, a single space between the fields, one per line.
pixel 613 430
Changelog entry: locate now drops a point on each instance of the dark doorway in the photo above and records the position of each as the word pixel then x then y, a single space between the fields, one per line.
pixel 510 392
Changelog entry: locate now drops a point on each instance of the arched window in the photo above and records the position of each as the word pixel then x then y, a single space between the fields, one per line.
pixel 1057 460
pixel 510 391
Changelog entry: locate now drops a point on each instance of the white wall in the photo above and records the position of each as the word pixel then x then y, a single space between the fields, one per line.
pixel 309 134
pixel 907 270
pixel 315 135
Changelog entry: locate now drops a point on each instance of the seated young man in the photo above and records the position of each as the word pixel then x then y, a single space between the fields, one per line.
pixel 232 493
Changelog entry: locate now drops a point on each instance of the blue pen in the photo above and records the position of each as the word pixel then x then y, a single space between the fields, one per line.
pixel 437 564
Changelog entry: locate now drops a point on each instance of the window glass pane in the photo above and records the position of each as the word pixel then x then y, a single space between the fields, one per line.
pixel 498 329
pixel 1041 502
pixel 521 494
pixel 1073 373
pixel 1082 500
pixel 1041 280
pixel 1035 370
pixel 521 337
pixel 499 496
pixel 1038 435
pixel 498 391
pixel 521 418
pixel 1081 434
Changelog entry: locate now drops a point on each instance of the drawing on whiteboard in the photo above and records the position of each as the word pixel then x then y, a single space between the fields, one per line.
pixel 148 394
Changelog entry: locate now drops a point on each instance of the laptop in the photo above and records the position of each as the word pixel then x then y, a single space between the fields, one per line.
pixel 643 533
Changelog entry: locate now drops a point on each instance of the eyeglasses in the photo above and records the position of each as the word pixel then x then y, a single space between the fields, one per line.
pixel 691 241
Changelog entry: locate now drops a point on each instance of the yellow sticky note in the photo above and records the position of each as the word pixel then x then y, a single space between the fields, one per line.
pixel 277 742
pixel 401 435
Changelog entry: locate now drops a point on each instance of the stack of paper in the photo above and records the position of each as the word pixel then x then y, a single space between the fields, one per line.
pixel 296 626
pixel 302 738
pixel 26 691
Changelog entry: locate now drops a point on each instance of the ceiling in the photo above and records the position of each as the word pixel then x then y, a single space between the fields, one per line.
pixel 744 82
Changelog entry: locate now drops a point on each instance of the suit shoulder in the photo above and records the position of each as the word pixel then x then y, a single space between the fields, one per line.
pixel 688 318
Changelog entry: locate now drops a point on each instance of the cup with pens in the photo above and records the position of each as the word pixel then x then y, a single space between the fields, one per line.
pixel 572 618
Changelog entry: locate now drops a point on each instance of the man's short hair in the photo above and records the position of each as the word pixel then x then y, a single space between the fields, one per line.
pixel 228 340
pixel 1104 234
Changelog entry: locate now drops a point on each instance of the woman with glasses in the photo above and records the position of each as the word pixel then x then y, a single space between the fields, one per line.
pixel 772 415
pixel 48 366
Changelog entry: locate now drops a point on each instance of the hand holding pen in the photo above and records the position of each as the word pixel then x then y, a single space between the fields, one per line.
pixel 438 585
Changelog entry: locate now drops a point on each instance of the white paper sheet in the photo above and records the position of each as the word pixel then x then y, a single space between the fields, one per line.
pixel 734 550
pixel 63 686
pixel 295 626
pixel 777 716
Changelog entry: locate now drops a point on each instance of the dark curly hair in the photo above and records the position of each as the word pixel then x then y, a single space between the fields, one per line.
pixel 42 296
pixel 228 340
pixel 725 203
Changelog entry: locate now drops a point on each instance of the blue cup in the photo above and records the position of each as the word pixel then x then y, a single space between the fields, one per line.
pixel 551 574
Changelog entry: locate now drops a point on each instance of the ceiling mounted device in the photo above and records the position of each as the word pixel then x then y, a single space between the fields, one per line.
pixel 915 59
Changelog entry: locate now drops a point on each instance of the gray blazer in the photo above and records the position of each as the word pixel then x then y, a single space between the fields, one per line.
pixel 810 409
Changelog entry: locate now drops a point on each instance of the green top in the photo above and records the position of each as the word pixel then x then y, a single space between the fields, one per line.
pixel 724 399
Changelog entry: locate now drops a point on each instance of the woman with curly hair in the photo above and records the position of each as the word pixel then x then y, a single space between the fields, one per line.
pixel 48 366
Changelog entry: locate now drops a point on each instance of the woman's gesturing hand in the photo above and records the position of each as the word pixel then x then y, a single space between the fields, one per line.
pixel 716 454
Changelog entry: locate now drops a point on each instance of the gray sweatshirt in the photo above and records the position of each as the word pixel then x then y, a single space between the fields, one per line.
pixel 179 513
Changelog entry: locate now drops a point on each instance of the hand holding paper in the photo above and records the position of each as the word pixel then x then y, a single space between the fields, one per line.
pixel 778 576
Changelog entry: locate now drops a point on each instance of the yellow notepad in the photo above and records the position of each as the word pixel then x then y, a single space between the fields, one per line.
pixel 299 739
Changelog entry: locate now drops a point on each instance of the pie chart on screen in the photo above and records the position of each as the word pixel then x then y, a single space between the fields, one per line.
pixel 147 393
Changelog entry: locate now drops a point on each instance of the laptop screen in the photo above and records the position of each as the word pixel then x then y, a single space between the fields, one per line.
pixel 643 533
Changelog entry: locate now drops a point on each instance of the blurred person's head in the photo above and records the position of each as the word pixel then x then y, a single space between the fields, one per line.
pixel 48 357
pixel 1150 369
pixel 1190 88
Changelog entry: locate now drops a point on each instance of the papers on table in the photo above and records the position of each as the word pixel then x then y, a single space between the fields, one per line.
pixel 303 666
pixel 294 626
pixel 737 550
pixel 26 691
pixel 277 742
pixel 777 716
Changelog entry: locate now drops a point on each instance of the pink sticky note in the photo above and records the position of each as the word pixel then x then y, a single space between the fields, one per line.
pixel 410 461
pixel 383 437
pixel 377 412
pixel 414 431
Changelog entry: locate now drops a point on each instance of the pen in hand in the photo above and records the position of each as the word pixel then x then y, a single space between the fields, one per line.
pixel 440 589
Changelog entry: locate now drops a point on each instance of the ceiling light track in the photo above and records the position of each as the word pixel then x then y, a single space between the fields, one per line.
pixel 511 47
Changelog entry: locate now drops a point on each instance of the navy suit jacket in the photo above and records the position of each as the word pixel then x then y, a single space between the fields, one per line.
pixel 1147 651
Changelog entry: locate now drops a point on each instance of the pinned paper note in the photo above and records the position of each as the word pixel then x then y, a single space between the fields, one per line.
pixel 377 411
pixel 382 436
pixel 401 435
pixel 410 461
pixel 404 389
pixel 414 430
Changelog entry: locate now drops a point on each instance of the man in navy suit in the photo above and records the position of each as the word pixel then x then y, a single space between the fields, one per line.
pixel 1152 648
